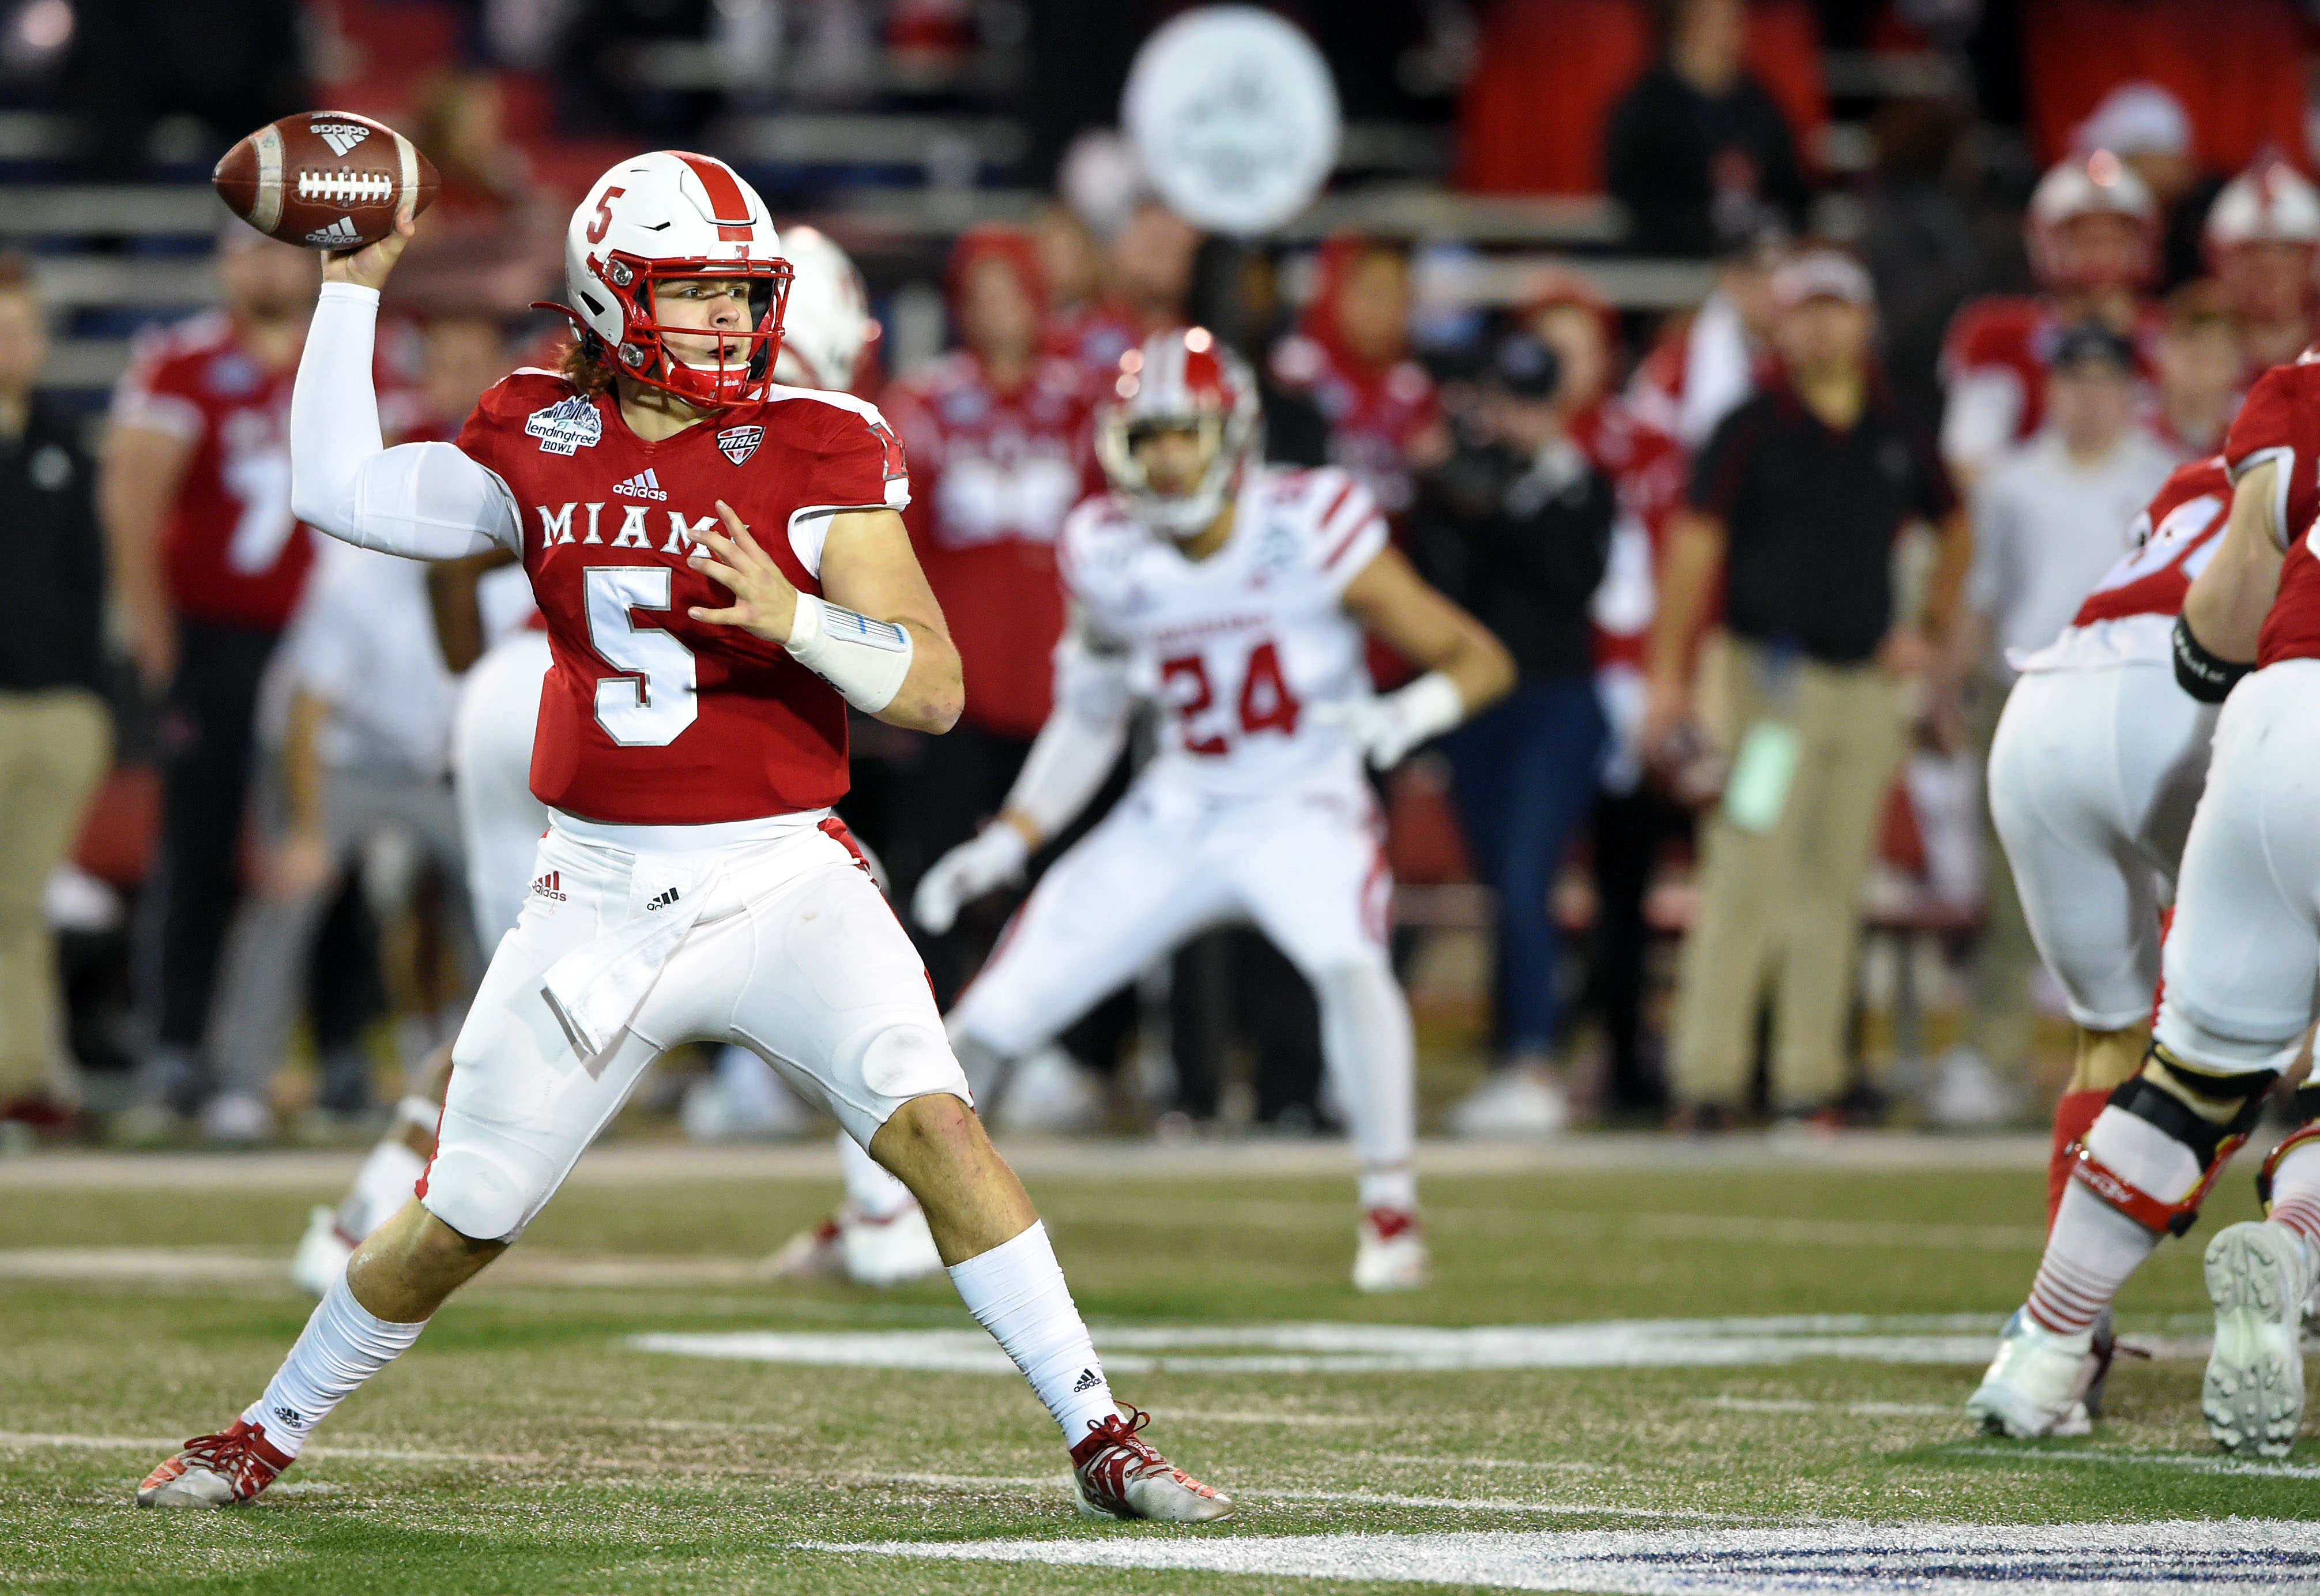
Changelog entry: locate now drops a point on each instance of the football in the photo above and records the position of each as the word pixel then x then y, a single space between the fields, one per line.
pixel 324 179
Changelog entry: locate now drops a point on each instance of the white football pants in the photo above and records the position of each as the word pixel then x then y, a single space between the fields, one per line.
pixel 795 957
pixel 500 821
pixel 2093 779
pixel 2245 946
pixel 1306 868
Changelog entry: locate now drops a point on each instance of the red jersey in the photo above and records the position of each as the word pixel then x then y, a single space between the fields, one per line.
pixel 649 717
pixel 231 553
pixel 2174 538
pixel 1374 413
pixel 1649 468
pixel 2016 335
pixel 997 473
pixel 2280 422
pixel 1094 337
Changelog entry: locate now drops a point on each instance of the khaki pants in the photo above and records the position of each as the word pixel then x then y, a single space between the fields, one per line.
pixel 54 745
pixel 1785 901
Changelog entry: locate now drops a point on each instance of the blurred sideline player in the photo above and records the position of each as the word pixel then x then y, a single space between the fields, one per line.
pixel 2094 773
pixel 489 600
pixel 2093 232
pixel 1236 596
pixel 694 884
pixel 2238 966
pixel 2262 236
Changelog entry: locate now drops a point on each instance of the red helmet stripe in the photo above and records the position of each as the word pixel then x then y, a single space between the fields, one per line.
pixel 728 205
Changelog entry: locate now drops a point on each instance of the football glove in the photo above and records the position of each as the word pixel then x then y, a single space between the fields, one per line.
pixel 1388 727
pixel 992 858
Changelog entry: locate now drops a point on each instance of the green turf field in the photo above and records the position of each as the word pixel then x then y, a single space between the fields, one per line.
pixel 529 1444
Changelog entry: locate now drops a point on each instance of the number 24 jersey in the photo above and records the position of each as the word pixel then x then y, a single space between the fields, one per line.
pixel 1239 650
pixel 647 716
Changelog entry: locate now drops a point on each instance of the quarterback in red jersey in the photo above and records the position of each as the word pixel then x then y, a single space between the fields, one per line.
pixel 2095 768
pixel 2093 234
pixel 2238 968
pixel 692 884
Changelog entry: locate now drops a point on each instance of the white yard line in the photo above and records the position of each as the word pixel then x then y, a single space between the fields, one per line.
pixel 1376 1498
pixel 162 1445
pixel 2232 1558
pixel 1736 1404
pixel 2196 1463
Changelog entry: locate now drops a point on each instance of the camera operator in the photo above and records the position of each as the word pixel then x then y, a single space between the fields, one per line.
pixel 1516 525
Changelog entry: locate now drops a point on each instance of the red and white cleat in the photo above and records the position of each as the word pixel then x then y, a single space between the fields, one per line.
pixel 1391 1254
pixel 216 1471
pixel 1116 1474
pixel 815 1253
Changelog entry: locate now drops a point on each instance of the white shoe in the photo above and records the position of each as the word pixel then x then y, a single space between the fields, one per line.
pixel 743 1100
pixel 237 1117
pixel 321 1255
pixel 888 1251
pixel 2036 1385
pixel 818 1252
pixel 2259 1274
pixel 1521 1103
pixel 1968 1093
pixel 1391 1254
pixel 1050 1093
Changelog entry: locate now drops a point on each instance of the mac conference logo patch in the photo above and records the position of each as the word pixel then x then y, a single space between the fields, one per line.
pixel 740 442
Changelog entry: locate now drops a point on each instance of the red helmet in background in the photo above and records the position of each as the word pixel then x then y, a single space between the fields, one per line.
pixel 2092 223
pixel 1187 380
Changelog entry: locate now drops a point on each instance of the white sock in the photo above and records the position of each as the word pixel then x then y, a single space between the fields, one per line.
pixel 382 1186
pixel 1372 1064
pixel 342 1346
pixel 1395 1189
pixel 1015 1291
pixel 875 1193
pixel 2093 1247
pixel 2296 1193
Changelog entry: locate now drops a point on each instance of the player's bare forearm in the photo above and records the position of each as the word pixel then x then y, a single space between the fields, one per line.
pixel 2226 607
pixel 1390 599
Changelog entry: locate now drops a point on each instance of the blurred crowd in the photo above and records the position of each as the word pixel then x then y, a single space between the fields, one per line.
pixel 1762 562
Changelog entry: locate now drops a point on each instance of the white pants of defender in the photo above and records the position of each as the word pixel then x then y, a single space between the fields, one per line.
pixel 795 957
pixel 2094 776
pixel 500 821
pixel 1306 868
pixel 2245 946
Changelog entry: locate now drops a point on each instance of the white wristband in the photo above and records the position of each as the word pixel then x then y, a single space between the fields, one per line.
pixel 866 660
pixel 1430 706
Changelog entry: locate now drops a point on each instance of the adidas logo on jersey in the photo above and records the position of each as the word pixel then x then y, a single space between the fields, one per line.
pixel 340 235
pixel 341 136
pixel 644 484
pixel 667 897
pixel 550 885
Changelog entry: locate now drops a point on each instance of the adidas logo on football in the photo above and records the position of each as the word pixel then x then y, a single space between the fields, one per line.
pixel 663 902
pixel 550 885
pixel 1088 1380
pixel 644 484
pixel 341 136
pixel 340 235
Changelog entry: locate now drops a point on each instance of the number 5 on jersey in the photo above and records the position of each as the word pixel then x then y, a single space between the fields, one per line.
pixel 657 694
pixel 1265 702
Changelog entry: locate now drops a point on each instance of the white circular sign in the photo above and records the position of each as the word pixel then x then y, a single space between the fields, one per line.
pixel 1232 111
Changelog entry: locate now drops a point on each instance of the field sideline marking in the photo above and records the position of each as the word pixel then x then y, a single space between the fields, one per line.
pixel 1380 1499
pixel 2195 1462
pixel 2235 1557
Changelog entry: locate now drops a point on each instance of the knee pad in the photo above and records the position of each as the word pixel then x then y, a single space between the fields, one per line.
pixel 2238 1097
pixel 475 1195
pixel 2305 1106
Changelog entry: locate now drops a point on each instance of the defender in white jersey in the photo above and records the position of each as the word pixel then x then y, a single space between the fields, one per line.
pixel 1235 596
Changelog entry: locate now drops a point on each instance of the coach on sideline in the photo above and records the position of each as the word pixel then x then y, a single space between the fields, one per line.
pixel 56 735
pixel 1797 499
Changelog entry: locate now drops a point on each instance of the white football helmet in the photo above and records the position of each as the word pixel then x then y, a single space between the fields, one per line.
pixel 2094 184
pixel 663 217
pixel 828 320
pixel 1183 378
pixel 2270 202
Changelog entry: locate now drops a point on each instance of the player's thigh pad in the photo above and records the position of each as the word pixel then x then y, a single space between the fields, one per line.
pixel 1131 889
pixel 816 975
pixel 2058 798
pixel 2245 939
pixel 1310 872
pixel 522 1106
